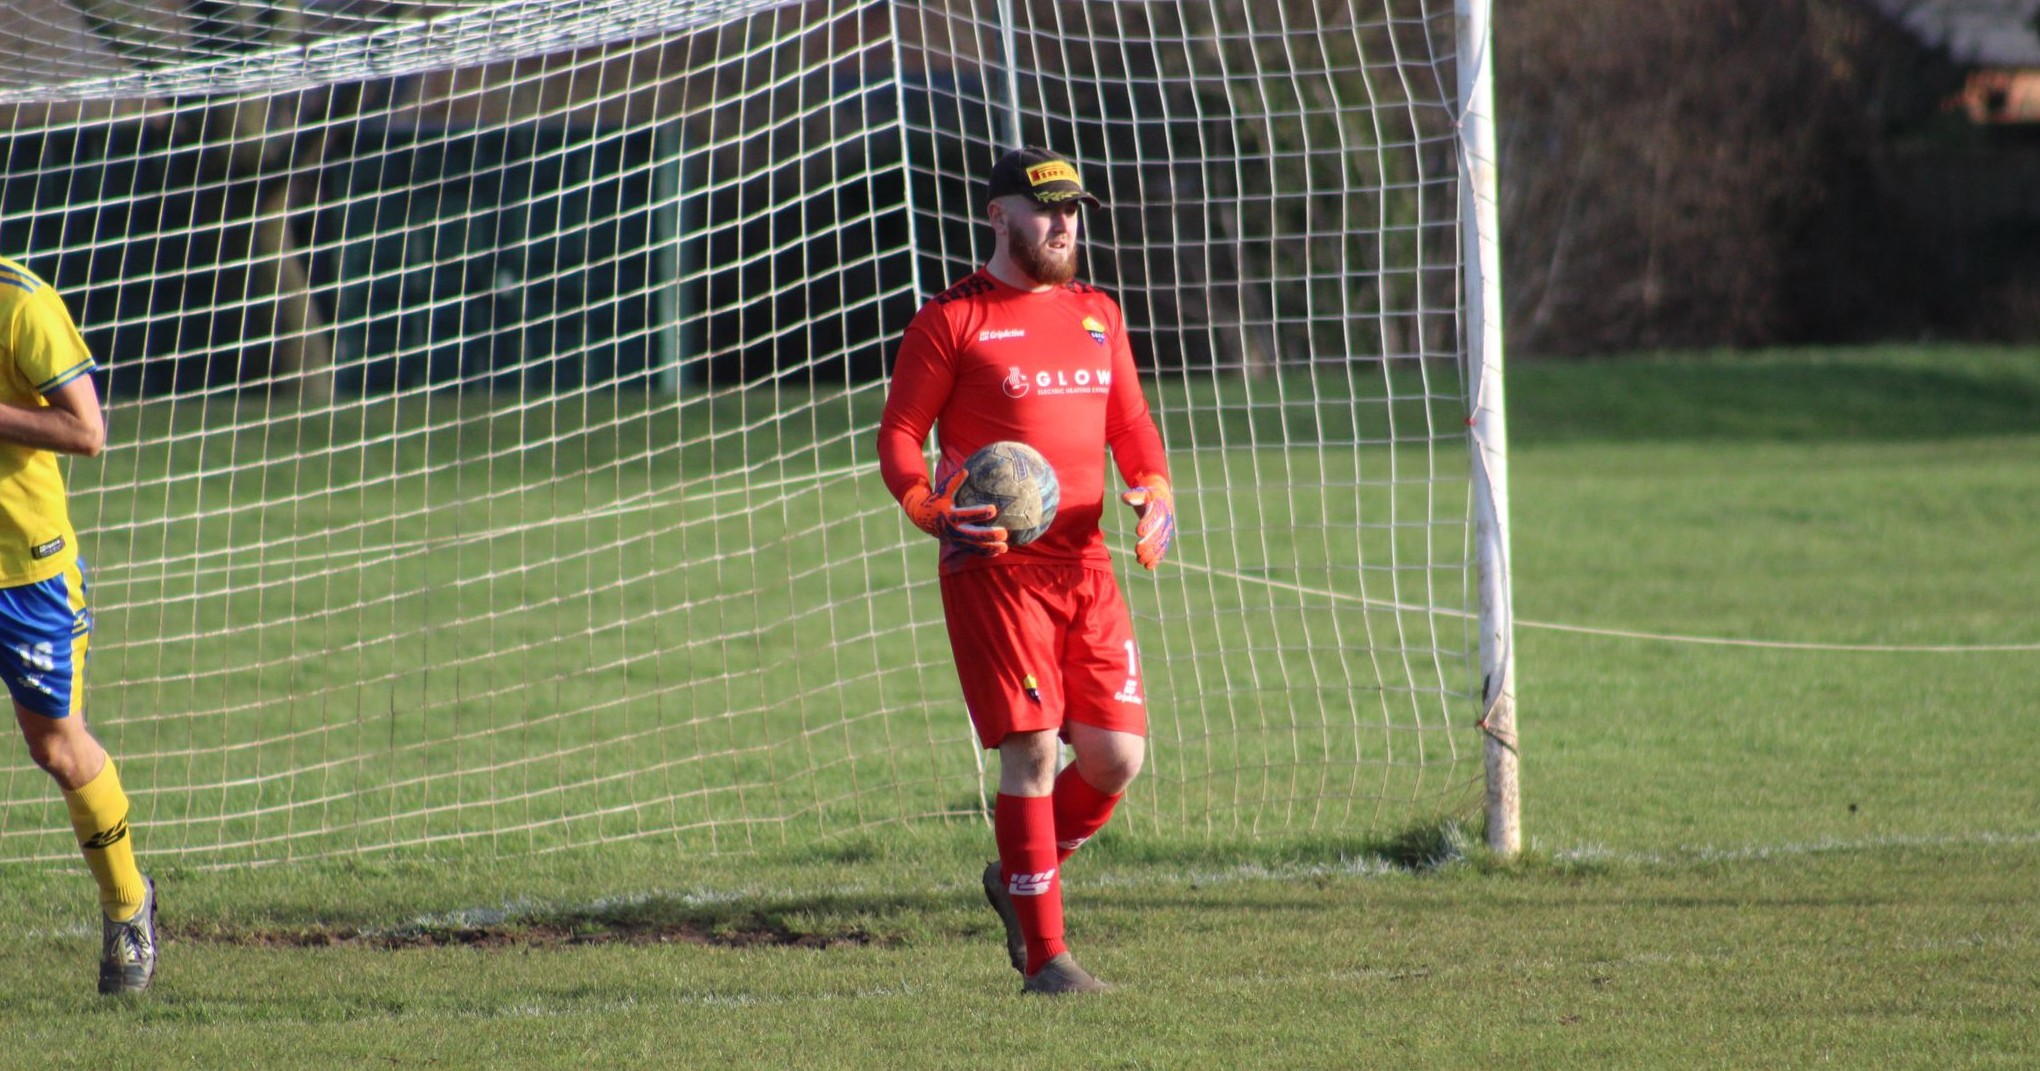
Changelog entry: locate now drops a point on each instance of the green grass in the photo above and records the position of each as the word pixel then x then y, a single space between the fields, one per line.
pixel 1741 856
pixel 1900 956
pixel 1883 394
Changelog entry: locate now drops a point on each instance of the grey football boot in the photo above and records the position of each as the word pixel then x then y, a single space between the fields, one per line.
pixel 127 956
pixel 1062 975
pixel 1001 900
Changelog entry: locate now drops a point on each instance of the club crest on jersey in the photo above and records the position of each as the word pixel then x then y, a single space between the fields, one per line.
pixel 1096 329
pixel 1016 382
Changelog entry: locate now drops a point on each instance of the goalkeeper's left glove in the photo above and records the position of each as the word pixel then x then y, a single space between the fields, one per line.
pixel 1155 501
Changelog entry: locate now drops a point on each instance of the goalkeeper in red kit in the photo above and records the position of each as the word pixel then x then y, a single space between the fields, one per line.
pixel 1043 642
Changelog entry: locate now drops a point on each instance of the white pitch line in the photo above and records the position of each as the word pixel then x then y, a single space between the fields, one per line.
pixel 1824 846
pixel 1661 637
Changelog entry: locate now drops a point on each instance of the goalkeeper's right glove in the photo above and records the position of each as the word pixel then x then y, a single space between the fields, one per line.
pixel 936 513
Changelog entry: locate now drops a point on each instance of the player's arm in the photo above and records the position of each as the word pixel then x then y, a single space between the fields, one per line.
pixel 42 342
pixel 921 383
pixel 71 424
pixel 1137 451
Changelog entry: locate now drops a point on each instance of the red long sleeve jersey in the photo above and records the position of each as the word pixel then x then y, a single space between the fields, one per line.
pixel 986 362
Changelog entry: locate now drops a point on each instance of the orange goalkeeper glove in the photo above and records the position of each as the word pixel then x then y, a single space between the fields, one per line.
pixel 935 513
pixel 1155 501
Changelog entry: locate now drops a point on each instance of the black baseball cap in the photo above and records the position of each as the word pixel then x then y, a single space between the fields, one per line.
pixel 1048 177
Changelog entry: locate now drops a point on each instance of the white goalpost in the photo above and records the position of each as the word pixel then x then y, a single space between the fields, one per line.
pixel 493 386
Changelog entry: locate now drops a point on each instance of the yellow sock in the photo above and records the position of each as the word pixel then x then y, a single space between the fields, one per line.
pixel 99 812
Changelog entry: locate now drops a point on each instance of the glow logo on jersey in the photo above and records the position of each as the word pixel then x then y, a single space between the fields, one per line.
pixel 1019 382
pixel 1096 329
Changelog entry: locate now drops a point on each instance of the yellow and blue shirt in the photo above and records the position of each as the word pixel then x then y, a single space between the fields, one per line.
pixel 40 350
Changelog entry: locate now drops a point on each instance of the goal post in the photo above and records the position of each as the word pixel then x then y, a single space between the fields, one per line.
pixel 1480 230
pixel 493 386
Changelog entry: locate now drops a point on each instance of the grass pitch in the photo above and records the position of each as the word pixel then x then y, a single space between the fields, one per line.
pixel 1800 852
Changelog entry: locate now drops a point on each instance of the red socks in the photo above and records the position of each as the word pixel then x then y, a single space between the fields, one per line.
pixel 1035 835
pixel 1025 829
pixel 1080 811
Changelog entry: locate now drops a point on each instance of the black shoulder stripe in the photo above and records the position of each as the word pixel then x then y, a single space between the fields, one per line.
pixel 971 287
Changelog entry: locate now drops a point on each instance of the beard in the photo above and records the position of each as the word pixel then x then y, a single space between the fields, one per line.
pixel 1049 267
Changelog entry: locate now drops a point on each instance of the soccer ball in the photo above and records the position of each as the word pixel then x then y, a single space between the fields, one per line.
pixel 1016 478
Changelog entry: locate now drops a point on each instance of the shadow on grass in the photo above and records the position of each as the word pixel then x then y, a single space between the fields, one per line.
pixel 1422 847
pixel 891 890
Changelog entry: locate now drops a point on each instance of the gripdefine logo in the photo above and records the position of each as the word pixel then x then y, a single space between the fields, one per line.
pixel 107 838
pixel 1030 884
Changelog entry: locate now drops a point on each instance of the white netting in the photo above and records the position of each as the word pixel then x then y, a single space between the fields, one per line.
pixel 493 386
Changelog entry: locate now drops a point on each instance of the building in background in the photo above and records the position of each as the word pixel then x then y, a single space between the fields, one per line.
pixel 1966 184
pixel 1996 42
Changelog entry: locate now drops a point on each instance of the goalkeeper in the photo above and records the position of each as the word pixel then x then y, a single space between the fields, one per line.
pixel 1042 641
pixel 49 406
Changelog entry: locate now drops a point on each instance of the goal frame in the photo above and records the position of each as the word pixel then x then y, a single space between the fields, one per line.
pixel 1487 422
pixel 1361 265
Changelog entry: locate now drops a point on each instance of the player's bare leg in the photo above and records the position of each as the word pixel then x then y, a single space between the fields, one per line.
pixel 1029 898
pixel 1024 823
pixel 98 806
pixel 1084 796
pixel 1088 790
pixel 62 747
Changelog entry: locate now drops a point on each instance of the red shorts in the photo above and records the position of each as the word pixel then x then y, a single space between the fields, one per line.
pixel 1038 645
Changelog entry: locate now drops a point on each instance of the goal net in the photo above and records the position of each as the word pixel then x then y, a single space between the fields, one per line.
pixel 492 392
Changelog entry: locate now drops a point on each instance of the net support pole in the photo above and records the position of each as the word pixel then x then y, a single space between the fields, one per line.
pixel 1009 41
pixel 1487 423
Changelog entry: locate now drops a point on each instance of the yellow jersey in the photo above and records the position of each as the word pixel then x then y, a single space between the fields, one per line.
pixel 40 350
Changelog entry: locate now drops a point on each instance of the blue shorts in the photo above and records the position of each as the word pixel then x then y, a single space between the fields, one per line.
pixel 44 629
